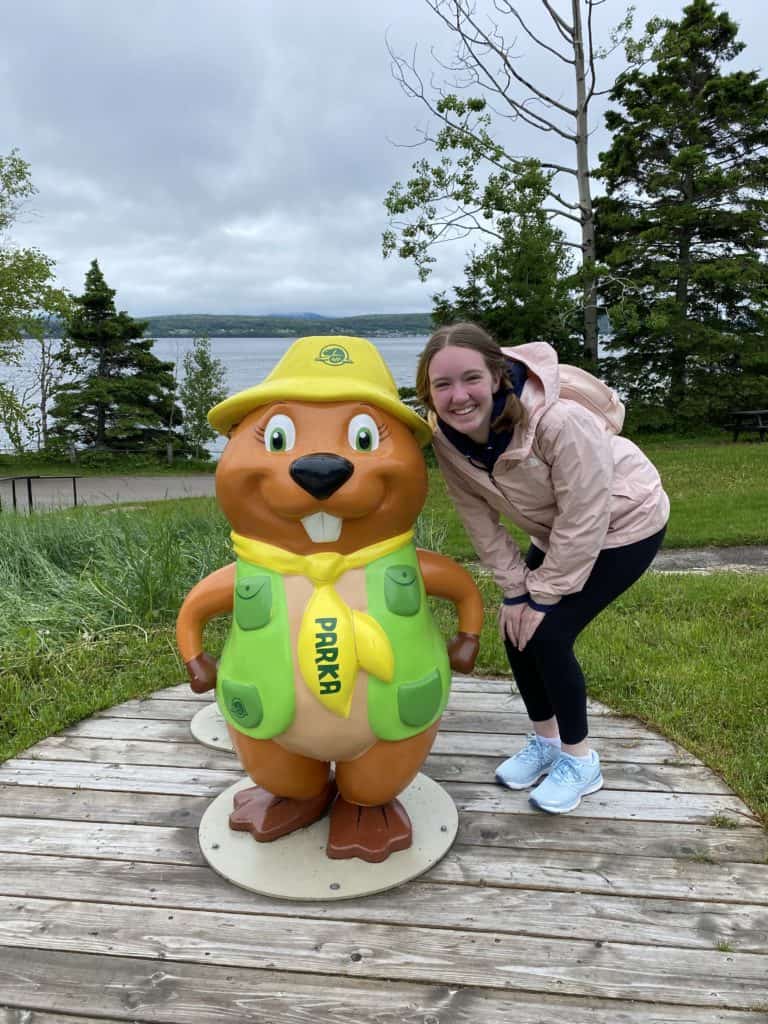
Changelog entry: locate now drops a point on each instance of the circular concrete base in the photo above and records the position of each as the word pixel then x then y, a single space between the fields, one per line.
pixel 209 728
pixel 296 866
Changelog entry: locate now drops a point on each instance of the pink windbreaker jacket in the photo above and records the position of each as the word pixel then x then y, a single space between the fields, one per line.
pixel 571 485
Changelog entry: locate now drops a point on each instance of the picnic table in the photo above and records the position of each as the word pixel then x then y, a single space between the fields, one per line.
pixel 748 419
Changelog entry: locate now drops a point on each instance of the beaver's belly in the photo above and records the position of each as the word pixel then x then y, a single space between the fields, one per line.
pixel 315 731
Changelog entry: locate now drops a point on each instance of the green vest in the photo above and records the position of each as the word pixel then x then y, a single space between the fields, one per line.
pixel 255 689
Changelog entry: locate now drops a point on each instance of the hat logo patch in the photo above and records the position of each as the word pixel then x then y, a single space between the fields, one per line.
pixel 333 355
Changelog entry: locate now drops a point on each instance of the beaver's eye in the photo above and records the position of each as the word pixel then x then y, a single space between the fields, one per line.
pixel 280 434
pixel 363 434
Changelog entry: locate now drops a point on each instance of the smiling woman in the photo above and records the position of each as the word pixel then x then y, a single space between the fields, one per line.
pixel 509 444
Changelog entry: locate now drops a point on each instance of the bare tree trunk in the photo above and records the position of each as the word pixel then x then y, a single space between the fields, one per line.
pixel 589 282
pixel 677 362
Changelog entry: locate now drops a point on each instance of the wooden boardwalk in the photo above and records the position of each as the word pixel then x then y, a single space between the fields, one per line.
pixel 647 905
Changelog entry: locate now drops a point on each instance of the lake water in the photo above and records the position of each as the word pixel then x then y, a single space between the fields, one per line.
pixel 248 360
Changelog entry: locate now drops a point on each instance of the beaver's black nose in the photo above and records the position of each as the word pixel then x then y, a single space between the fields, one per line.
pixel 321 474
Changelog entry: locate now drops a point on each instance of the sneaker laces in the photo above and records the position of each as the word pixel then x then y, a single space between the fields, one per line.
pixel 566 770
pixel 533 751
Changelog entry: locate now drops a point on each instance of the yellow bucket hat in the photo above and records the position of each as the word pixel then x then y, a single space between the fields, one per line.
pixel 326 369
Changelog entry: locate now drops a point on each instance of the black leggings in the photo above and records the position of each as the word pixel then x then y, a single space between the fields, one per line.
pixel 547 673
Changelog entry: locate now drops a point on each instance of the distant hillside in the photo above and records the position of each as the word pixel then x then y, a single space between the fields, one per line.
pixel 368 325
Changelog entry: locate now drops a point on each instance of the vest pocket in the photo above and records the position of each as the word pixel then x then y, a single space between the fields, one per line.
pixel 243 703
pixel 253 602
pixel 401 590
pixel 419 702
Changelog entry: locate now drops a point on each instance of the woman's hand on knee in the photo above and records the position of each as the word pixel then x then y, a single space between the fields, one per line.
pixel 509 622
pixel 530 620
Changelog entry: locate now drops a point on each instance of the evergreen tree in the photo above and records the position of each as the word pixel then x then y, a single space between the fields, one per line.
pixel 682 230
pixel 118 396
pixel 519 287
pixel 204 385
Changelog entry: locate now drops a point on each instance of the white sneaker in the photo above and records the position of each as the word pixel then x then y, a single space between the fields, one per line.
pixel 528 765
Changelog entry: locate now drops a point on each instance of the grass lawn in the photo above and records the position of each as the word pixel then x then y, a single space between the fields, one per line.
pixel 90 597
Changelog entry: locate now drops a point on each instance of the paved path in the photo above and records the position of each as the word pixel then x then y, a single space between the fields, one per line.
pixel 49 493
pixel 646 905
pixel 751 558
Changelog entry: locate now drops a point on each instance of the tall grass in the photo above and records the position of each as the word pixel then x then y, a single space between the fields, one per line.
pixel 89 598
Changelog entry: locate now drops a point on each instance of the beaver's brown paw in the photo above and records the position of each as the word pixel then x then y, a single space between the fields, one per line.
pixel 370 833
pixel 462 652
pixel 268 817
pixel 202 672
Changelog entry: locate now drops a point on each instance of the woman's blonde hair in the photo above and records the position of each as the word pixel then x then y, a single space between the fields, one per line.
pixel 471 336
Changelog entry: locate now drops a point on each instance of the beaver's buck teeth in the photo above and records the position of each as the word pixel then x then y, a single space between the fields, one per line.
pixel 322 528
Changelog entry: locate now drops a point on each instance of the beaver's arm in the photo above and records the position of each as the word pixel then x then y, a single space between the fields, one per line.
pixel 444 578
pixel 212 596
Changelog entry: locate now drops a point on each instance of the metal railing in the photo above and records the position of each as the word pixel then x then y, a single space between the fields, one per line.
pixel 29 478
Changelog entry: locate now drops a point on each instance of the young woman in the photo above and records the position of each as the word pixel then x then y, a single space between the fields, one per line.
pixel 595 509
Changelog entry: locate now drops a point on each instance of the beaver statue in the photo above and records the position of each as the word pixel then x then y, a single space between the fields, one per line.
pixel 332 658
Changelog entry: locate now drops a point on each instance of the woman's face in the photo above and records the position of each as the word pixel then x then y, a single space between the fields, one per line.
pixel 461 388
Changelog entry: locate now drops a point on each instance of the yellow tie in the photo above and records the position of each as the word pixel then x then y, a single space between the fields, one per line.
pixel 334 640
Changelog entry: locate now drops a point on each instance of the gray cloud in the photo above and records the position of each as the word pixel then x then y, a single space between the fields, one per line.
pixel 229 157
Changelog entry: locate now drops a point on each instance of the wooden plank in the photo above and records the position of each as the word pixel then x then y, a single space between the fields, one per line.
pixel 686 778
pixel 559 870
pixel 139 990
pixel 132 729
pixel 539 832
pixel 25 1015
pixel 189 754
pixel 95 805
pixel 469 699
pixel 643 921
pixel 147 708
pixel 118 777
pixel 458 957
pixel 644 749
pixel 97 839
pixel 667 778
pixel 703 843
pixel 518 724
pixel 639 806
pixel 182 691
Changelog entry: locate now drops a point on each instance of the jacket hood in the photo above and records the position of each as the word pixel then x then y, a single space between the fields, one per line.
pixel 541 390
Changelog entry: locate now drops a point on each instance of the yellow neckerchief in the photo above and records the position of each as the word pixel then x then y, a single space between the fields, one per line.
pixel 334 640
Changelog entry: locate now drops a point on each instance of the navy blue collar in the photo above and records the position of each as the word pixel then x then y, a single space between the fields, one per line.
pixel 485 455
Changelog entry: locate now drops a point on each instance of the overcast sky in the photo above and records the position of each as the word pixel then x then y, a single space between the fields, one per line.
pixel 232 156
